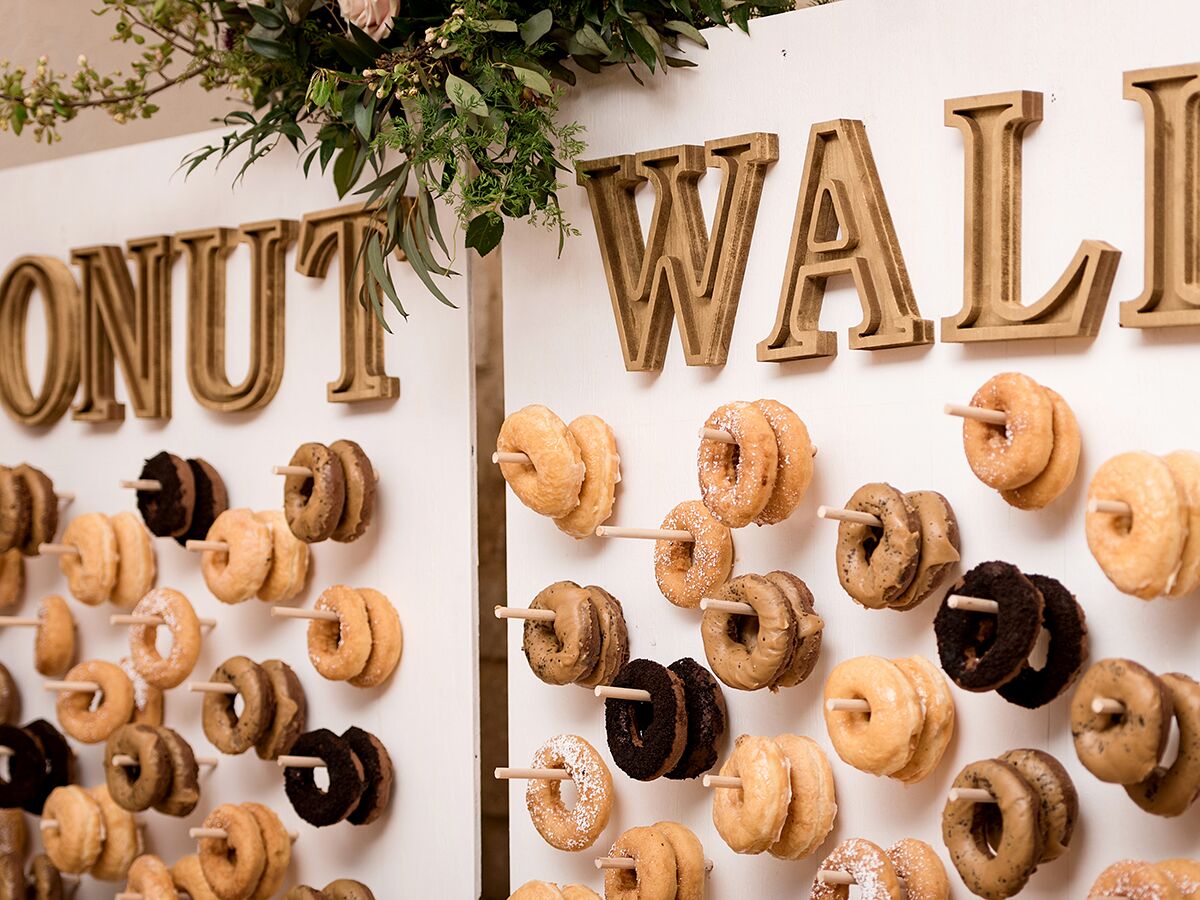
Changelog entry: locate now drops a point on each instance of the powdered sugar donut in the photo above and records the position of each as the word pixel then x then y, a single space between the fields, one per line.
pixel 795 470
pixel 920 868
pixel 578 827
pixel 737 480
pixel 1132 878
pixel 180 619
pixel 872 870
pixel 687 571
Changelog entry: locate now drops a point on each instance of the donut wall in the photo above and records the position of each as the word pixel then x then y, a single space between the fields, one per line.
pixel 876 414
pixel 417 551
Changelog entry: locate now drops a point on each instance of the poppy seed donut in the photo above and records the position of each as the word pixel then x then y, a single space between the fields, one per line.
pixel 26 768
pixel 43 509
pixel 346 779
pixel 981 651
pixel 313 503
pixel 211 499
pixel 228 731
pixel 377 771
pixel 614 638
pixel 748 652
pixel 1171 791
pixel 60 761
pixel 167 512
pixel 1060 800
pixel 876 564
pixel 1064 619
pixel 647 739
pixel 809 629
pixel 706 719
pixel 139 786
pixel 565 649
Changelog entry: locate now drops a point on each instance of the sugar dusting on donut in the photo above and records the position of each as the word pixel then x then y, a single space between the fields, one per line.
pixel 141 688
pixel 1134 880
pixel 585 767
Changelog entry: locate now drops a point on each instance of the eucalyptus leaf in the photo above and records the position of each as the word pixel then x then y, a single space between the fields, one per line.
pixel 465 96
pixel 533 80
pixel 536 26
pixel 688 30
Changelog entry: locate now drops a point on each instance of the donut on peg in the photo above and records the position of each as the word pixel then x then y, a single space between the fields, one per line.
pixel 751 819
pixel 288 570
pixel 377 774
pixel 737 480
pixel 26 768
pixel 10 698
pixel 749 652
pixel 167 511
pixel 871 868
pixel 12 578
pixel 346 779
pixel 937 726
pixel 139 786
pixel 233 865
pixel 1064 620
pixel 813 805
pixel 1125 747
pixel 648 742
pixel 568 648
pixel 882 740
pixel 313 503
pixel 59 757
pixel 136 565
pixel 920 868
pixel 876 565
pixel 92 723
pixel 1056 477
pixel 91 571
pixel 291 711
pixel 277 846
pixel 578 827
pixel 655 873
pixel 226 729
pixel 15 508
pixel 688 571
pixel 178 617
pixel 704 704
pixel 120 845
pixel 239 572
pixel 74 845
pixel 43 508
pixel 550 483
pixel 614 638
pixel 211 499
pixel 1059 801
pixel 339 650
pixel 54 640
pixel 602 471
pixel 1170 791
pixel 183 789
pixel 1013 454
pixel 359 479
pixel 939 551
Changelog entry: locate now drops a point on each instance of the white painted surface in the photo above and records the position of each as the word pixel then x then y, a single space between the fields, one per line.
pixel 875 416
pixel 420 551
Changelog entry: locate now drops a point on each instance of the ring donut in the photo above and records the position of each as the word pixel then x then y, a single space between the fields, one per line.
pixel 1056 791
pixel 183 791
pixel 150 877
pixel 1185 469
pixel 346 780
pixel 148 700
pixel 1124 748
pixel 1014 454
pixel 377 773
pixel 91 572
pixel 347 889
pixel 237 573
pixel 1064 620
pixel 120 846
pixel 601 472
pixel 289 560
pixel 688 571
pixel 75 710
pixel 1171 791
pixel 359 477
pixel 614 638
pixel 813 806
pixel 937 704
pixel 737 480
pixel 277 846
pixel 10 698
pixel 706 719
pixel 655 876
pixel 1186 875
pixel 750 819
pixel 313 503
pixel 921 870
pixel 873 872
pixel 180 619
pixel 139 786
pixel 212 499
pixel 568 648
pixel 45 881
pixel 228 731
pixel 578 827
pixel 340 650
pixel 75 845
pixel 940 548
pixel 14 510
pixel 12 578
pixel 188 876
pixel 551 481
pixel 795 470
pixel 387 640
pixel 233 865
pixel 875 565
pixel 1133 878
pixel 54 639
pixel 690 865
pixel 167 511
pixel 883 740
pixel 291 711
pixel 647 740
pixel 60 761
pixel 809 627
pixel 26 768
pixel 749 652
pixel 1060 470
pixel 136 566
pixel 43 508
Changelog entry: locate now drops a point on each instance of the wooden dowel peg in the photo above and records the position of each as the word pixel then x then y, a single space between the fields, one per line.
pixel 991 416
pixel 972 604
pixel 975 795
pixel 724 437
pixel 847 704
pixel 1112 507
pixel 211 687
pixel 608 692
pixel 6 751
pixel 221 834
pixel 731 782
pixel 19 621
pixel 122 619
pixel 835 876
pixel 644 534
pixel 516 612
pixel 302 471
pixel 300 762
pixel 207 547
pixel 148 485
pixel 124 759
pixel 729 606
pixel 505 457
pixel 48 824
pixel 290 612
pixel 1108 706
pixel 72 687
pixel 65 497
pixel 848 515
pixel 58 550
pixel 510 774
pixel 625 862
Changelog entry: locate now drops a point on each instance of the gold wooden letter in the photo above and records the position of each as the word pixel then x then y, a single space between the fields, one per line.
pixel 843 227
pixel 340 232
pixel 60 296
pixel 993 127
pixel 679 272
pixel 208 252
pixel 1170 100
pixel 132 325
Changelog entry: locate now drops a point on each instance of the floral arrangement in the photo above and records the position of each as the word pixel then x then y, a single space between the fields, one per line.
pixel 402 103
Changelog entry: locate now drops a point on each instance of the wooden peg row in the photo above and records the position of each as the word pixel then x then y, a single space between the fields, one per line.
pixel 290 612
pixel 991 416
pixel 300 762
pixel 19 621
pixel 72 687
pixel 1112 507
pixel 221 834
pixel 207 547
pixel 975 795
pixel 625 862
pixel 507 457
pixel 724 437
pixel 211 687
pixel 847 704
pixel 146 485
pixel 123 619
pixel 510 774
pixel 608 692
pixel 644 534
pixel 848 515
pixel 516 612
pixel 972 604
pixel 1108 706
pixel 124 759
pixel 729 782
pixel 58 550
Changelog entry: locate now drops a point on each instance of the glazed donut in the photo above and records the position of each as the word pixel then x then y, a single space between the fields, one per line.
pixel 656 875
pixel 812 808
pixel 150 877
pixel 1170 791
pixel 535 890
pixel 601 472
pixel 750 819
pixel 921 870
pixel 1140 553
pixel 937 705
pixel 578 827
pixel 1010 455
pixel 1185 469
pixel 795 454
pixel 809 628
pixel 883 740
pixel 1057 794
pixel 749 652
pixel 168 511
pixel 146 782
pixel 647 740
pixel 1002 871
pixel 45 880
pixel 180 619
pixel 1186 875
pixel 1066 623
pixel 291 711
pixel 1132 878
pixel 277 844
pixel 14 836
pixel 690 872
pixel 26 768
pixel 92 572
pixel 60 761
pixel 75 845
pixel 14 510
pixel 737 480
pixel 706 718
pixel 12 578
pixel 136 566
pixel 339 650
pixel 1125 748
pixel 377 773
pixel 10 698
pixel 1050 483
pixel 313 503
pixel 233 865
pixel 875 565
pixel 188 876
pixel 346 780
pixel 211 500
pixel 289 560
pixel 550 483
pixel 359 477
pixel 939 550
pixel 872 870
pixel 614 638
pixel 347 889
pixel 565 649
pixel 224 728
pixel 688 571
pixel 147 699
pixel 120 845
pixel 981 651
pixel 183 791
pixel 43 509
pixel 387 640
pixel 54 639
pixel 236 574
pixel 75 711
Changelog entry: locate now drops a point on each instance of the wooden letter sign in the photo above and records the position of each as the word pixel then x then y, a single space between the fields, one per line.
pixel 679 271
pixel 843 227
pixel 993 127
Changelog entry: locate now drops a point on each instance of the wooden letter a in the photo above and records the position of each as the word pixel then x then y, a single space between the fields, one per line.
pixel 679 271
pixel 843 227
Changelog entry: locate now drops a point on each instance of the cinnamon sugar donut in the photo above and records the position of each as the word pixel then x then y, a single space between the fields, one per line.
pixel 387 640
pixel 340 650
pixel 749 652
pixel 813 806
pixel 751 818
pixel 54 640
pixel 1132 878
pixel 1046 487
pixel 921 870
pixel 1185 469
pixel 602 471
pixel 690 871
pixel 876 564
pixel 75 845
pixel 234 864
pixel 12 578
pixel 737 480
pixel 1010 455
pixel 565 649
pixel 236 574
pixel 289 560
pixel 550 482
pixel 883 740
pixel 873 872
pixel 656 875
pixel 75 710
pixel 136 566
pixel 688 571
pixel 578 827
pixel 937 705
pixel 120 845
pixel 91 572
pixel 180 619
pixel 150 877
pixel 1171 791
pixel 795 470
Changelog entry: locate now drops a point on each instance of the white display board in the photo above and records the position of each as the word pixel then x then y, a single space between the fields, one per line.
pixel 420 550
pixel 876 416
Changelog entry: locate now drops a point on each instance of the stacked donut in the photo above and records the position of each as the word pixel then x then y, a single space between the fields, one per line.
pixel 336 499
pixel 162 775
pixel 899 562
pixel 985 651
pixel 669 860
pixel 575 828
pixel 908 720
pixel 90 833
pixel 675 733
pixel 572 470
pixel 28 510
pixel 1031 459
pixel 189 497
pixel 148 700
pixel 113 559
pixel 84 719
pixel 879 873
pixel 996 845
pixel 1121 718
pixel 54 637
pixel 547 890
pixel 249 862
pixel 12 578
pixel 586 643
pixel 689 571
pixel 42 880
pixel 261 557
pixel 341 889
pixel 274 708
pixel 764 473
pixel 776 645
pixel 363 645
pixel 10 699
pixel 39 760
pixel 784 803
pixel 1171 879
pixel 360 778
pixel 178 616
pixel 1152 546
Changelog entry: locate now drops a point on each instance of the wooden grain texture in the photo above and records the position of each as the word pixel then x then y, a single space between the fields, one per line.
pixel 842 226
pixel 678 272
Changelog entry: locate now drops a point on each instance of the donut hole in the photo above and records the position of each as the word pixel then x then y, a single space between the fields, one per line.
pixel 987 828
pixel 871 541
pixel 743 630
pixel 306 489
pixel 96 701
pixel 239 708
pixel 163 641
pixel 1171 748
pixel 5 774
pixel 321 778
pixel 1040 654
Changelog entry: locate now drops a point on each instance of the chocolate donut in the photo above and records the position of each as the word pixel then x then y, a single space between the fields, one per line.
pixel 291 711
pixel 567 648
pixel 647 739
pixel 146 782
pixel 347 782
pixel 228 731
pixel 706 718
pixel 14 510
pixel 1064 619
pixel 26 768
pixel 359 477
pixel 60 761
pixel 43 509
pixel 377 770
pixel 167 512
pixel 10 698
pixel 876 564
pixel 313 503
pixel 211 500
pixel 981 651
pixel 183 788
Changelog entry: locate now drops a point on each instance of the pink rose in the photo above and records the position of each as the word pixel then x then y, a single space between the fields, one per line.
pixel 373 16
